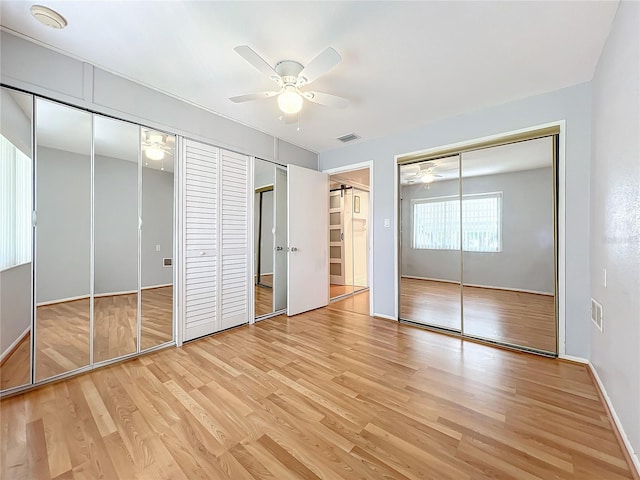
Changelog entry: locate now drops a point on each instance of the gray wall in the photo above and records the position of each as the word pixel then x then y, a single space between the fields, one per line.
pixel 527 234
pixel 615 221
pixel 571 104
pixel 157 226
pixel 40 70
pixel 63 232
pixel 116 225
pixel 15 303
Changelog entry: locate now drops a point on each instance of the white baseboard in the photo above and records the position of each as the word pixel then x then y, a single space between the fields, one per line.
pixel 571 358
pixel 523 290
pixel 616 419
pixel 98 295
pixel 388 317
pixel 14 344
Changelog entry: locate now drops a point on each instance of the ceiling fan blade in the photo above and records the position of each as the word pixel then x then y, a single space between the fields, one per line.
pixel 320 65
pixel 258 62
pixel 253 96
pixel 326 99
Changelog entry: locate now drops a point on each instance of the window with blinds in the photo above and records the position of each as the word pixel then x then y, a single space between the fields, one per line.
pixel 437 223
pixel 15 205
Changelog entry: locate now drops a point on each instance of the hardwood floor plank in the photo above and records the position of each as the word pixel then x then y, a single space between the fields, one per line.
pixel 328 394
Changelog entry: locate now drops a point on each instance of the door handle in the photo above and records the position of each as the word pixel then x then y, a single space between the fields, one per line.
pixel 279 248
pixel 293 249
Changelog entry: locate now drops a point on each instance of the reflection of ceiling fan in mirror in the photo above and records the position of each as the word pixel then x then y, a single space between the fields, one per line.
pixel 425 174
pixel 290 76
pixel 155 146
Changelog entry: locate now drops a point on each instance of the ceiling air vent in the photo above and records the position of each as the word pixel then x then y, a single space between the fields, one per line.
pixel 348 137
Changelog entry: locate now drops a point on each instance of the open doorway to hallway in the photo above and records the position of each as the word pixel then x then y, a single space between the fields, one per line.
pixel 349 239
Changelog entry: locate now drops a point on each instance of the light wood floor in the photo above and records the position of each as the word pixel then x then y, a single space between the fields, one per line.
pixel 517 318
pixel 62 340
pixel 264 295
pixel 326 394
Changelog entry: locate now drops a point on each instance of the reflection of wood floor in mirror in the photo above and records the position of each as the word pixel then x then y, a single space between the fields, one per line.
pixel 356 303
pixel 516 318
pixel 264 300
pixel 15 370
pixel 62 338
pixel 327 394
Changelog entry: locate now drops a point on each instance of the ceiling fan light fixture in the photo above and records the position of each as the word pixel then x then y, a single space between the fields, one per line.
pixel 154 153
pixel 290 101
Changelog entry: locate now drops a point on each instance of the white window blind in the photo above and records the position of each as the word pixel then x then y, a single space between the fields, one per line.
pixel 437 223
pixel 15 206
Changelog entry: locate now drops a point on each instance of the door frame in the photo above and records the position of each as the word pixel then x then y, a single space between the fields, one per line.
pixel 350 168
pixel 561 218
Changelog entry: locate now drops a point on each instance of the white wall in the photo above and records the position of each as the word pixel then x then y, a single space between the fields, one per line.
pixel 571 104
pixel 527 234
pixel 615 217
pixel 39 70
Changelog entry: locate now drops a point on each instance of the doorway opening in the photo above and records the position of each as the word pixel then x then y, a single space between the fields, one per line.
pixel 349 240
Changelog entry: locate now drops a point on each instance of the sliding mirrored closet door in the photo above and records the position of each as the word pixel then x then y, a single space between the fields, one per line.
pixel 63 236
pixel 478 254
pixel 16 205
pixel 270 237
pixel 508 244
pixel 115 193
pixel 156 242
pixel 430 243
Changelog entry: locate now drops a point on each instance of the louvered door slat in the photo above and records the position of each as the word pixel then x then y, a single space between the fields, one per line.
pixel 234 306
pixel 201 240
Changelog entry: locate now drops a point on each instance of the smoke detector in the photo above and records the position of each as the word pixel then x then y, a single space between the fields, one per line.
pixel 48 17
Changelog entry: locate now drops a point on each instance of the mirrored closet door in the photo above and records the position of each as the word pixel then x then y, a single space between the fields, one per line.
pixel 87 239
pixel 508 206
pixel 115 193
pixel 478 248
pixel 16 205
pixel 63 239
pixel 270 237
pixel 430 243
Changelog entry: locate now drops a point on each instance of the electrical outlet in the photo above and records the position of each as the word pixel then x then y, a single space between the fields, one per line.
pixel 387 222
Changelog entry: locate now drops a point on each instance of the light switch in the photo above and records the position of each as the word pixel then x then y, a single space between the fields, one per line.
pixel 604 277
pixel 387 222
pixel 157 248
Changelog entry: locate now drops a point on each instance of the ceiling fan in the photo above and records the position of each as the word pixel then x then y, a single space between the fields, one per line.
pixel 425 174
pixel 290 76
pixel 155 145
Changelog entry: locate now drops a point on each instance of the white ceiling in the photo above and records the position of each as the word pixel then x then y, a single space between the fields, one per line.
pixel 404 64
pixel 513 157
pixel 355 178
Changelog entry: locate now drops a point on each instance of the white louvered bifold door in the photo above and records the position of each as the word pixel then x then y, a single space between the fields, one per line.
pixel 234 213
pixel 201 240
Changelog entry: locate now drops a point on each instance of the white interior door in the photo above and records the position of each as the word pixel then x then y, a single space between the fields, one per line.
pixel 280 240
pixel 308 232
